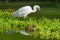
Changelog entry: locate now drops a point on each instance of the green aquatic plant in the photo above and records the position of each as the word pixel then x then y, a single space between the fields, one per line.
pixel 44 27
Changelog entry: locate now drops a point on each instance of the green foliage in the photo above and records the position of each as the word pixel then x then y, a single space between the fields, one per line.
pixel 45 28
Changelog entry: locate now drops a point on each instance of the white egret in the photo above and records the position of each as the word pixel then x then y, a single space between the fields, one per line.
pixel 24 11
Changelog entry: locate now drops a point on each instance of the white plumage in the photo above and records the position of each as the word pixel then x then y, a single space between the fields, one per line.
pixel 24 11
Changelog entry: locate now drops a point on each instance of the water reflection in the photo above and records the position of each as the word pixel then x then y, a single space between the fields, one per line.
pixel 23 32
pixel 10 32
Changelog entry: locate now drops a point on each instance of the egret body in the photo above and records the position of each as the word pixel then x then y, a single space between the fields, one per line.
pixel 24 11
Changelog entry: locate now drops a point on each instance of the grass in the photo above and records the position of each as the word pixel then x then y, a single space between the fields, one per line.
pixel 46 21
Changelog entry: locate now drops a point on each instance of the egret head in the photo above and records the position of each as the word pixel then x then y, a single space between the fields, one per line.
pixel 38 7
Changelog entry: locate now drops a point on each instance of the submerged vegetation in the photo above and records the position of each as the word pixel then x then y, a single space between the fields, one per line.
pixel 42 27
